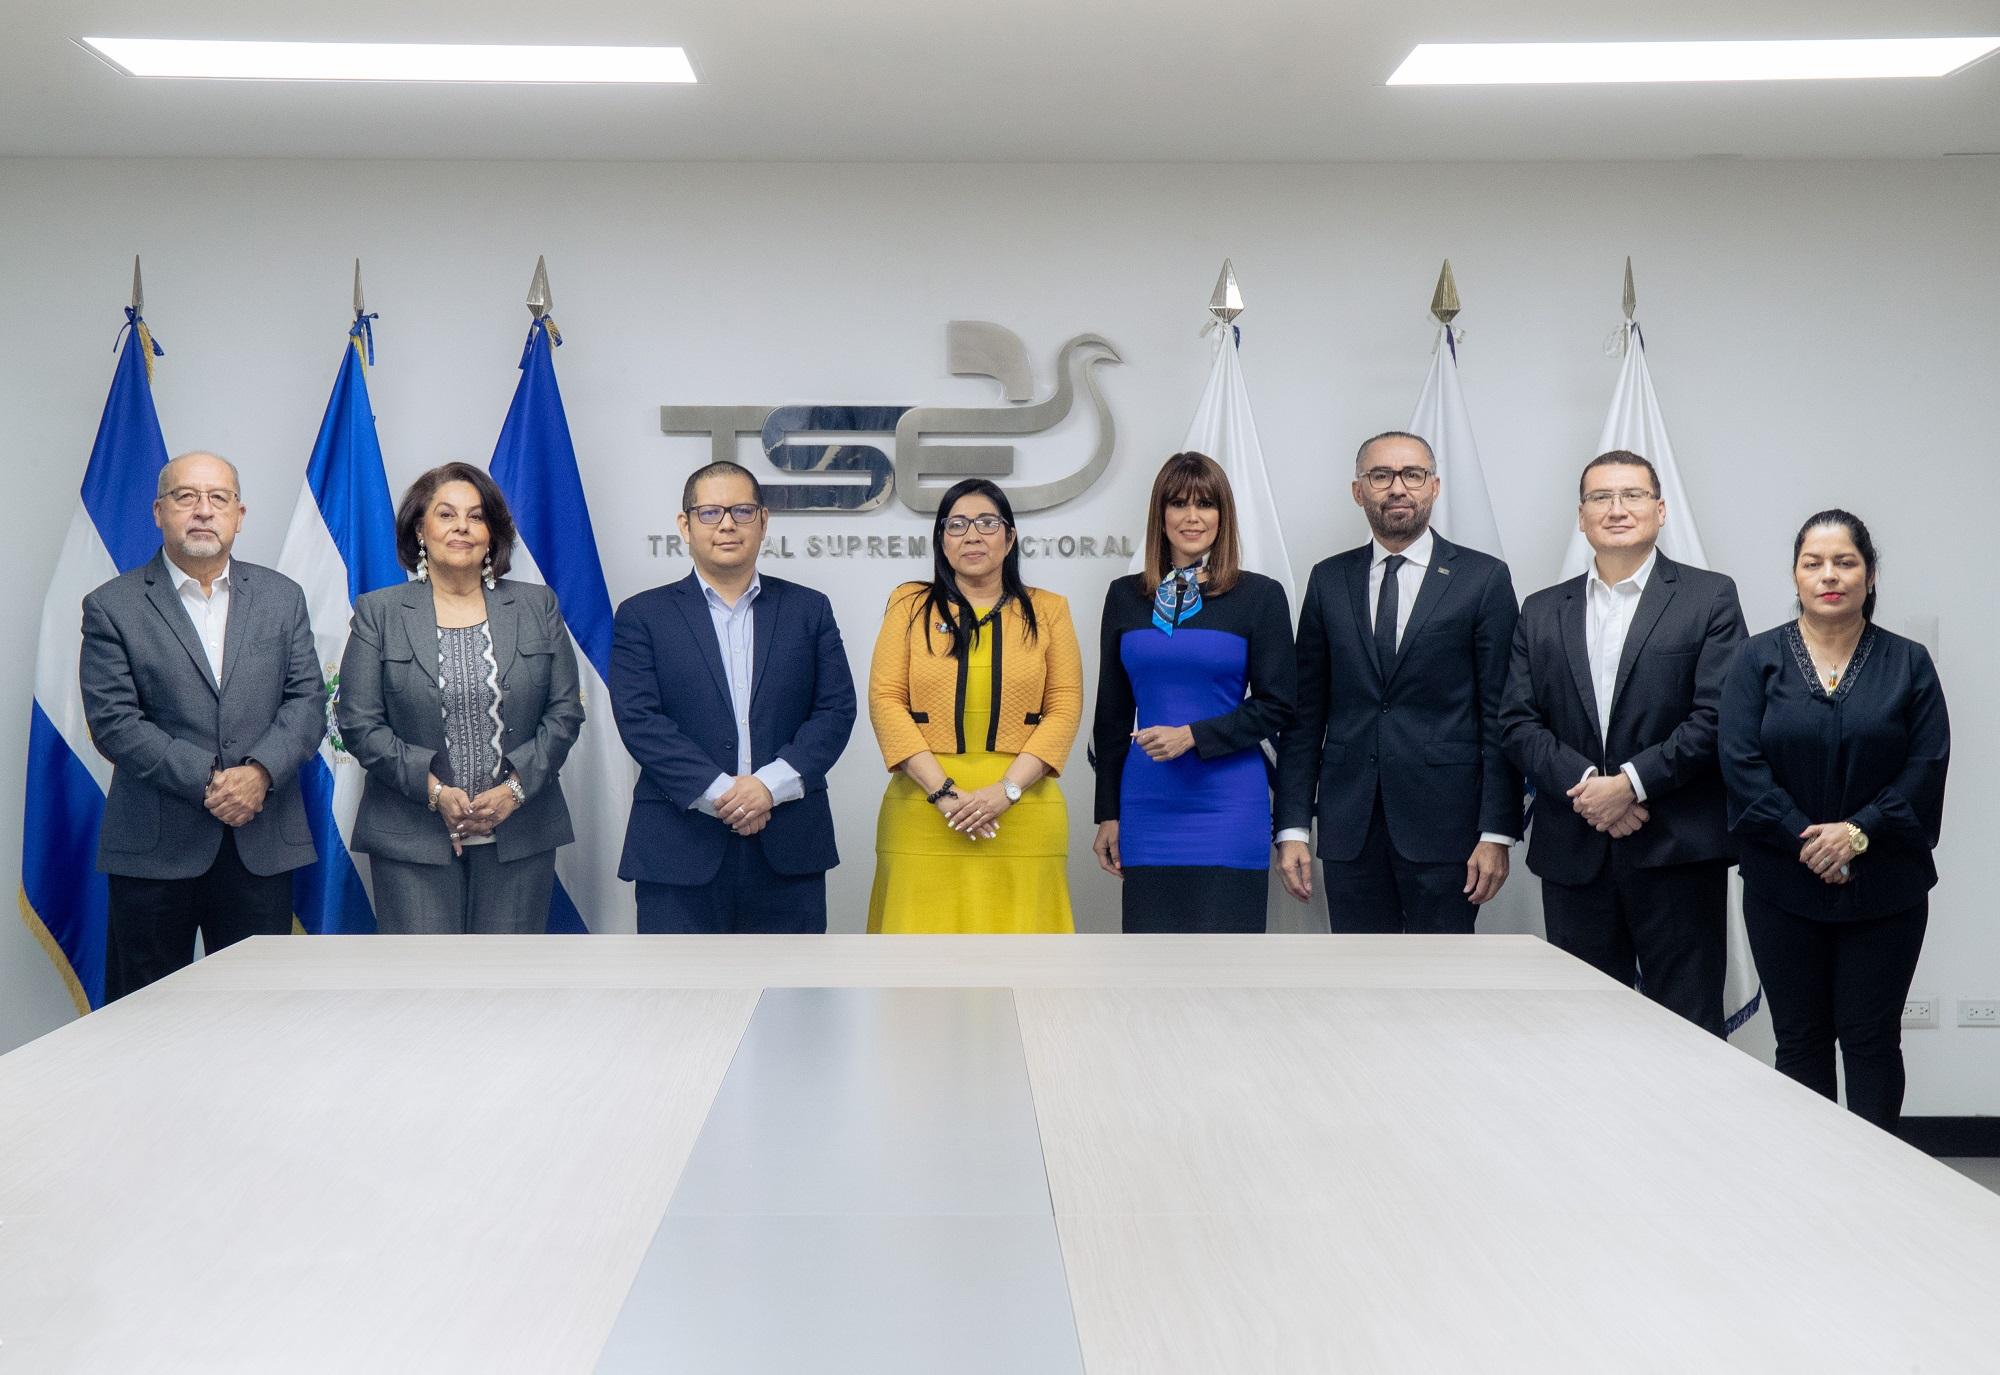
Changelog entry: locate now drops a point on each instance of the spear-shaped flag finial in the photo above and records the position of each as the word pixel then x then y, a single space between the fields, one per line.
pixel 360 301
pixel 138 288
pixel 1444 301
pixel 539 301
pixel 1631 296
pixel 1227 301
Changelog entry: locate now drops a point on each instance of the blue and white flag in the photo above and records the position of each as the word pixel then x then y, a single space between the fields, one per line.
pixel 1464 510
pixel 535 466
pixel 341 543
pixel 1634 423
pixel 63 898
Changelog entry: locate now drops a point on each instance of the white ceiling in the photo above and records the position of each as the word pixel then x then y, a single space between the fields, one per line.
pixel 1003 80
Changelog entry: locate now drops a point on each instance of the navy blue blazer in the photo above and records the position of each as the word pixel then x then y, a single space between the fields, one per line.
pixel 670 695
pixel 1422 732
pixel 1873 752
pixel 1662 719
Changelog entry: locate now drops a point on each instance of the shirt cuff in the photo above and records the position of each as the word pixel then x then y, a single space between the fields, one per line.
pixel 1588 774
pixel 1632 777
pixel 783 780
pixel 1495 838
pixel 1299 833
pixel 705 804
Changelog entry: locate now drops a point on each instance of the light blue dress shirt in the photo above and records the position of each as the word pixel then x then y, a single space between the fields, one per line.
pixel 736 637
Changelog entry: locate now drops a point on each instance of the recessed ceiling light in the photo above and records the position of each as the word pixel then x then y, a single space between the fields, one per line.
pixel 229 60
pixel 1811 59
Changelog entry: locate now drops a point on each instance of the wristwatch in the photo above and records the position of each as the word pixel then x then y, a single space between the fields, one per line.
pixel 1012 789
pixel 514 787
pixel 1857 839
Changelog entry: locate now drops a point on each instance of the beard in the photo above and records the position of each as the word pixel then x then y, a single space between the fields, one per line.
pixel 1397 522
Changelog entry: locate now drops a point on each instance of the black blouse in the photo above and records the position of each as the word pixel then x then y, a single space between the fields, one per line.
pixel 1873 751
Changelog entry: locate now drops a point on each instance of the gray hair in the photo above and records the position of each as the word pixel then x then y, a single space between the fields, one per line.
pixel 1361 453
pixel 165 483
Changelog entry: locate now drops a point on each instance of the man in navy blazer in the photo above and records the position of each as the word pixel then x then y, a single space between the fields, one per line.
pixel 732 692
pixel 1395 748
pixel 1612 712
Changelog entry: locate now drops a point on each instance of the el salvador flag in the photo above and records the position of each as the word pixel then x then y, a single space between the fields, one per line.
pixel 64 899
pixel 342 542
pixel 535 466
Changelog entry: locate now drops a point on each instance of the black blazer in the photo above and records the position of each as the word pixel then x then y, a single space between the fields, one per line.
pixel 1662 719
pixel 1874 752
pixel 670 695
pixel 1424 731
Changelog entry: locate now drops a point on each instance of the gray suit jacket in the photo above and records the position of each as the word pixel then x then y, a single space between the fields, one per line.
pixel 157 713
pixel 392 718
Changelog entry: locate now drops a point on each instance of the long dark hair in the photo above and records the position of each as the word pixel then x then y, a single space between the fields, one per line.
pixel 1864 545
pixel 1193 477
pixel 944 605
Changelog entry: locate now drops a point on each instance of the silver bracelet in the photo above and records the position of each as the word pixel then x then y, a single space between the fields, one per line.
pixel 514 787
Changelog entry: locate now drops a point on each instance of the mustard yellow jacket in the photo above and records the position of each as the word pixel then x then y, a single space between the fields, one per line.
pixel 916 693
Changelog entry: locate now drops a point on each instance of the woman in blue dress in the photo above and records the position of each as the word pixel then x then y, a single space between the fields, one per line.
pixel 1196 672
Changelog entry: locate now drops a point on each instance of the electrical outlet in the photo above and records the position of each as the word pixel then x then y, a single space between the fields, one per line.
pixel 1920 1011
pixel 1979 1012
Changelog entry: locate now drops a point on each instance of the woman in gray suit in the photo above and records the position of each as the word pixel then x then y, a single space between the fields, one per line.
pixel 458 694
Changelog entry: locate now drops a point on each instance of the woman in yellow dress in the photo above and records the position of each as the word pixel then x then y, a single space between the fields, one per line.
pixel 976 694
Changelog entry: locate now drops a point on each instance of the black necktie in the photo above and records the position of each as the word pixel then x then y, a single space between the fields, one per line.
pixel 1385 614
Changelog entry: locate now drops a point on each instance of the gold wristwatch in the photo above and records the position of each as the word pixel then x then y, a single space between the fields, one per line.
pixel 1857 839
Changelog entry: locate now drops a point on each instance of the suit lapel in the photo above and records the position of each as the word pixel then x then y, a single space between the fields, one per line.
pixel 237 632
pixel 701 628
pixel 1357 589
pixel 420 628
pixel 764 627
pixel 1431 591
pixel 1652 605
pixel 503 613
pixel 160 591
pixel 1576 647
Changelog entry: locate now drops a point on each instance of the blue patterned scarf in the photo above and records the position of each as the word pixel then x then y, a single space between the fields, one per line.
pixel 1178 599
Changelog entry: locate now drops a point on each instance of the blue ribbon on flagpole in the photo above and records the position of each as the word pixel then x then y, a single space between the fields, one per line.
pixel 547 326
pixel 364 330
pixel 1451 342
pixel 133 320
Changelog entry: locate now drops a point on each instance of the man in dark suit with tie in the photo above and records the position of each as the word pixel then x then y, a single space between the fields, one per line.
pixel 732 692
pixel 1611 712
pixel 1396 746
pixel 202 687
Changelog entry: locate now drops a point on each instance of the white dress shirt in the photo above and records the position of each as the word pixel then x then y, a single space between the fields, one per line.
pixel 1409 582
pixel 736 637
pixel 1607 621
pixel 208 610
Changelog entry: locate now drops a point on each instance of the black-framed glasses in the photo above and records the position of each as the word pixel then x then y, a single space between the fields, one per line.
pixel 743 512
pixel 187 498
pixel 1628 497
pixel 988 524
pixel 1413 478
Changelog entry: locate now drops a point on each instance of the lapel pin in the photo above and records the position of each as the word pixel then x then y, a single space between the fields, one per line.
pixel 1443 572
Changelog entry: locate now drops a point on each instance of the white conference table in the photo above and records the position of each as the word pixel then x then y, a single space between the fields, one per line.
pixel 1098 1153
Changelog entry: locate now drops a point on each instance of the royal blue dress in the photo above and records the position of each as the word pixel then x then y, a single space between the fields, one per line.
pixel 1194 832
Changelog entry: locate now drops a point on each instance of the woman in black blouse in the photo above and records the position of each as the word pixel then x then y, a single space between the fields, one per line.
pixel 1834 745
pixel 1196 672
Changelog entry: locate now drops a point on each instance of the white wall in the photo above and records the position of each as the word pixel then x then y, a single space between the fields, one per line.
pixel 1821 334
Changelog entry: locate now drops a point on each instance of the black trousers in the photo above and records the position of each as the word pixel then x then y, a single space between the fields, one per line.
pixel 746 895
pixel 1845 982
pixel 1185 898
pixel 1663 929
pixel 1379 891
pixel 152 921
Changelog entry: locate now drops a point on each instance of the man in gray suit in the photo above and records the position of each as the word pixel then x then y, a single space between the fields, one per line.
pixel 202 688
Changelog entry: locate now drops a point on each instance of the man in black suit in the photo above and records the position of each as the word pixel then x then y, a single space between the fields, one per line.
pixel 1611 713
pixel 1396 746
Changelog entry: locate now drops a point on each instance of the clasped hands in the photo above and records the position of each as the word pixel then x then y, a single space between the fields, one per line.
pixel 1608 803
pixel 466 815
pixel 745 806
pixel 1827 850
pixel 975 813
pixel 235 795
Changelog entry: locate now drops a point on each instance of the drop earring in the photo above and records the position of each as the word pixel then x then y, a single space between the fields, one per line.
pixel 423 562
pixel 486 572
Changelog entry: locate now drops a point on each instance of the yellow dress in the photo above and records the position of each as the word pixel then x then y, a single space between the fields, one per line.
pixel 930 878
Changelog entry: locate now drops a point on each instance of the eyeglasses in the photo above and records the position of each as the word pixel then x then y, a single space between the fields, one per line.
pixel 187 498
pixel 1628 497
pixel 1413 478
pixel 988 524
pixel 742 513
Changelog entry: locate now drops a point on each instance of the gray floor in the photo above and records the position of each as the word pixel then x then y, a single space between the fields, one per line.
pixel 1981 1169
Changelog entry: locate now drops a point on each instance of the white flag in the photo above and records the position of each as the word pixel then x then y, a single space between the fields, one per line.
pixel 1636 426
pixel 1224 429
pixel 1464 512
